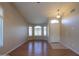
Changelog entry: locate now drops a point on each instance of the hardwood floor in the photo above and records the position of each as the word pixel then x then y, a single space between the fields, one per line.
pixel 40 48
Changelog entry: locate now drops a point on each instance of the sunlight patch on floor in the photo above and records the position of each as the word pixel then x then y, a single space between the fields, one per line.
pixel 56 45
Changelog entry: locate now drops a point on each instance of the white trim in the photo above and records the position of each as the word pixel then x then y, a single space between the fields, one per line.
pixel 6 54
pixel 77 52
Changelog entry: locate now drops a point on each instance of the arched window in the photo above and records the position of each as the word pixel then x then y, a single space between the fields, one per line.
pixel 37 30
pixel 54 21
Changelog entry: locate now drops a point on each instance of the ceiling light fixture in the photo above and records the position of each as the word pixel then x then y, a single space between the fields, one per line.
pixel 58 15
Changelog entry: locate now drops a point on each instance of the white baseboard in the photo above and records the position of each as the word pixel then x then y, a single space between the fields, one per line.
pixel 6 54
pixel 74 50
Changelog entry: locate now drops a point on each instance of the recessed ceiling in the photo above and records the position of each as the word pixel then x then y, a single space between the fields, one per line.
pixel 39 13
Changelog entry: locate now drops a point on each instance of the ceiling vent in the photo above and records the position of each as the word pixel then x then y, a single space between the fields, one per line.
pixel 73 10
pixel 37 2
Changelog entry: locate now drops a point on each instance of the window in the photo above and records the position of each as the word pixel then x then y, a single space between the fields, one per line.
pixel 30 31
pixel 44 28
pixel 1 27
pixel 54 21
pixel 37 30
pixel 1 32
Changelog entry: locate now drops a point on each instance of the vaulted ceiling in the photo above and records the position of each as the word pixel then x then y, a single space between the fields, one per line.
pixel 39 13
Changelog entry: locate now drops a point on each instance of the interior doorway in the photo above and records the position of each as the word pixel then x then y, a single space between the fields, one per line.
pixel 54 31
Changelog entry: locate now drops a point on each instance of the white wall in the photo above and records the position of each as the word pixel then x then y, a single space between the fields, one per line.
pixel 15 30
pixel 70 32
